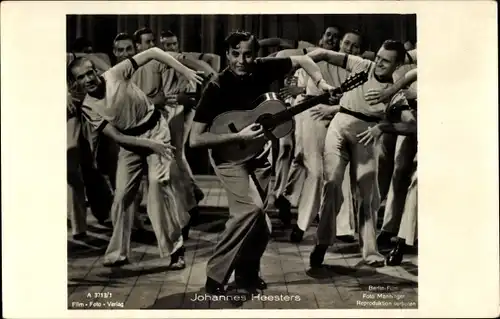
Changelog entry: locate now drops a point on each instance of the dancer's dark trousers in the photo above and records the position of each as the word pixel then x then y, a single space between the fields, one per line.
pixel 246 235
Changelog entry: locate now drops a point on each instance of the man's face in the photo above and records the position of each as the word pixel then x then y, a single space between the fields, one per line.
pixel 147 42
pixel 350 44
pixel 241 58
pixel 330 39
pixel 170 44
pixel 123 49
pixel 86 76
pixel 385 62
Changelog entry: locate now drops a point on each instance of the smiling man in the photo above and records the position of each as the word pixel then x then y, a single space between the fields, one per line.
pixel 245 238
pixel 115 106
pixel 311 131
pixel 405 127
pixel 355 116
pixel 85 173
pixel 331 38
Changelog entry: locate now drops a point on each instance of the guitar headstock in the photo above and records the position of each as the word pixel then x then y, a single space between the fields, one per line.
pixel 354 81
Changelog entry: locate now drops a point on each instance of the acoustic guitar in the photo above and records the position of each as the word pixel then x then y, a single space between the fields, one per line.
pixel 274 117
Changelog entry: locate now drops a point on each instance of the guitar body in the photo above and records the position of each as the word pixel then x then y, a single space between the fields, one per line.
pixel 234 121
pixel 272 114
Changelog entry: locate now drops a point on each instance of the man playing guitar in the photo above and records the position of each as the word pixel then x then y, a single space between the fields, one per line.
pixel 246 235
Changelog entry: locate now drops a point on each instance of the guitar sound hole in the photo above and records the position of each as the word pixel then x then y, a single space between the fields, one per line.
pixel 232 128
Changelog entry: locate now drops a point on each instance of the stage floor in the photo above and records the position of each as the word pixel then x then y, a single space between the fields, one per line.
pixel 146 283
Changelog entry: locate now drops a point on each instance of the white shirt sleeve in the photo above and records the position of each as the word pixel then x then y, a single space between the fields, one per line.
pixel 356 64
pixel 302 77
pixel 124 70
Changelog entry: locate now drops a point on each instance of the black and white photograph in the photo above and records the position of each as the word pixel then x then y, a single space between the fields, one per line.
pixel 242 161
pixel 250 159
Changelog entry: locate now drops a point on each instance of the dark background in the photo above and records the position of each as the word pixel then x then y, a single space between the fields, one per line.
pixel 206 33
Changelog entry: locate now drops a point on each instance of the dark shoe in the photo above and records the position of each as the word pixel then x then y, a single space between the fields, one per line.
pixel 384 239
pixel 80 236
pixel 296 235
pixel 317 256
pixel 395 257
pixel 347 238
pixel 213 287
pixel 118 263
pixel 255 283
pixel 284 207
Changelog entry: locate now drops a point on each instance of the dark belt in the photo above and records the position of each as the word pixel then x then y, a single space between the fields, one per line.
pixel 360 116
pixel 143 128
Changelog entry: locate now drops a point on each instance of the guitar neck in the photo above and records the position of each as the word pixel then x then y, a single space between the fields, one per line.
pixel 288 114
pixel 308 103
pixel 303 106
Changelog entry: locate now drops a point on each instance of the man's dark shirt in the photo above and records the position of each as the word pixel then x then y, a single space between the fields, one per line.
pixel 230 92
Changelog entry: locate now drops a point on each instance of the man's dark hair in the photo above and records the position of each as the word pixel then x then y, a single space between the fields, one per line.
pixel 333 26
pixel 238 36
pixel 360 35
pixel 123 36
pixel 397 46
pixel 139 33
pixel 80 44
pixel 167 34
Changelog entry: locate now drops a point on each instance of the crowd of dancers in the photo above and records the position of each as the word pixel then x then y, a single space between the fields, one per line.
pixel 130 115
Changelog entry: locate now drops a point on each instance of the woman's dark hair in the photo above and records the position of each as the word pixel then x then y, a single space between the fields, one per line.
pixel 238 36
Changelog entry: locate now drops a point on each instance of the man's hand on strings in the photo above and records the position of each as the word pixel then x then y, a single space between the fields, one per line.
pixel 334 99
